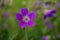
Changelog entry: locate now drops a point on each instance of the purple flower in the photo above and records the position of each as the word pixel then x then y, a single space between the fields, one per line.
pixel 50 13
pixel 44 37
pixel 6 15
pixel 58 4
pixel 5 2
pixel 26 18
pixel 39 2
pixel 47 3
pixel 49 24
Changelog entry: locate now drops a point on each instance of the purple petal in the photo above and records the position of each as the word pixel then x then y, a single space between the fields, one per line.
pixel 24 11
pixel 32 15
pixel 31 23
pixel 53 11
pixel 47 3
pixel 18 16
pixel 39 2
pixel 46 6
pixel 58 4
pixel 22 24
pixel 45 16
pixel 7 15
pixel 5 2
pixel 44 37
pixel 50 15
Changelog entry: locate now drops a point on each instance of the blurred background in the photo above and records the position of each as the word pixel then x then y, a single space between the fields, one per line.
pixel 9 26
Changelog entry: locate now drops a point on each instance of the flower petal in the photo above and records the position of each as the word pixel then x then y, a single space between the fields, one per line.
pixel 44 37
pixel 45 16
pixel 32 15
pixel 58 4
pixel 22 24
pixel 31 23
pixel 7 15
pixel 50 15
pixel 24 11
pixel 5 2
pixel 53 11
pixel 18 16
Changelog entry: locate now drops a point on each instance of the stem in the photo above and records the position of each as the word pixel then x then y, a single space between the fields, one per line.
pixel 26 35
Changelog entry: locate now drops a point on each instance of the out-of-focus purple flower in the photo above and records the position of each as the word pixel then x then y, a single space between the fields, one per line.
pixel 52 13
pixel 46 37
pixel 26 18
pixel 47 4
pixel 58 4
pixel 50 25
pixel 46 13
pixel 39 2
pixel 6 15
pixel 49 13
pixel 5 2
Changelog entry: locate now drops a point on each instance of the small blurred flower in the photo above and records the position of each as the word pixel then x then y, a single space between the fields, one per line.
pixel 47 4
pixel 49 13
pixel 5 2
pixel 46 37
pixel 39 2
pixel 25 18
pixel 58 4
pixel 6 15
pixel 49 24
pixel 9 2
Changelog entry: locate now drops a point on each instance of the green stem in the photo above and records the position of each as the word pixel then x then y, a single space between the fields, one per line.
pixel 26 35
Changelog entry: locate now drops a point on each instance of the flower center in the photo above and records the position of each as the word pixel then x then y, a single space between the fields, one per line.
pixel 26 18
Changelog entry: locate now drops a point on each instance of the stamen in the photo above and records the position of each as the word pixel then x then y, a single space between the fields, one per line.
pixel 26 19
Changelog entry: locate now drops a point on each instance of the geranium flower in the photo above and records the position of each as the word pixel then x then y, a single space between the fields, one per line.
pixel 49 13
pixel 26 18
